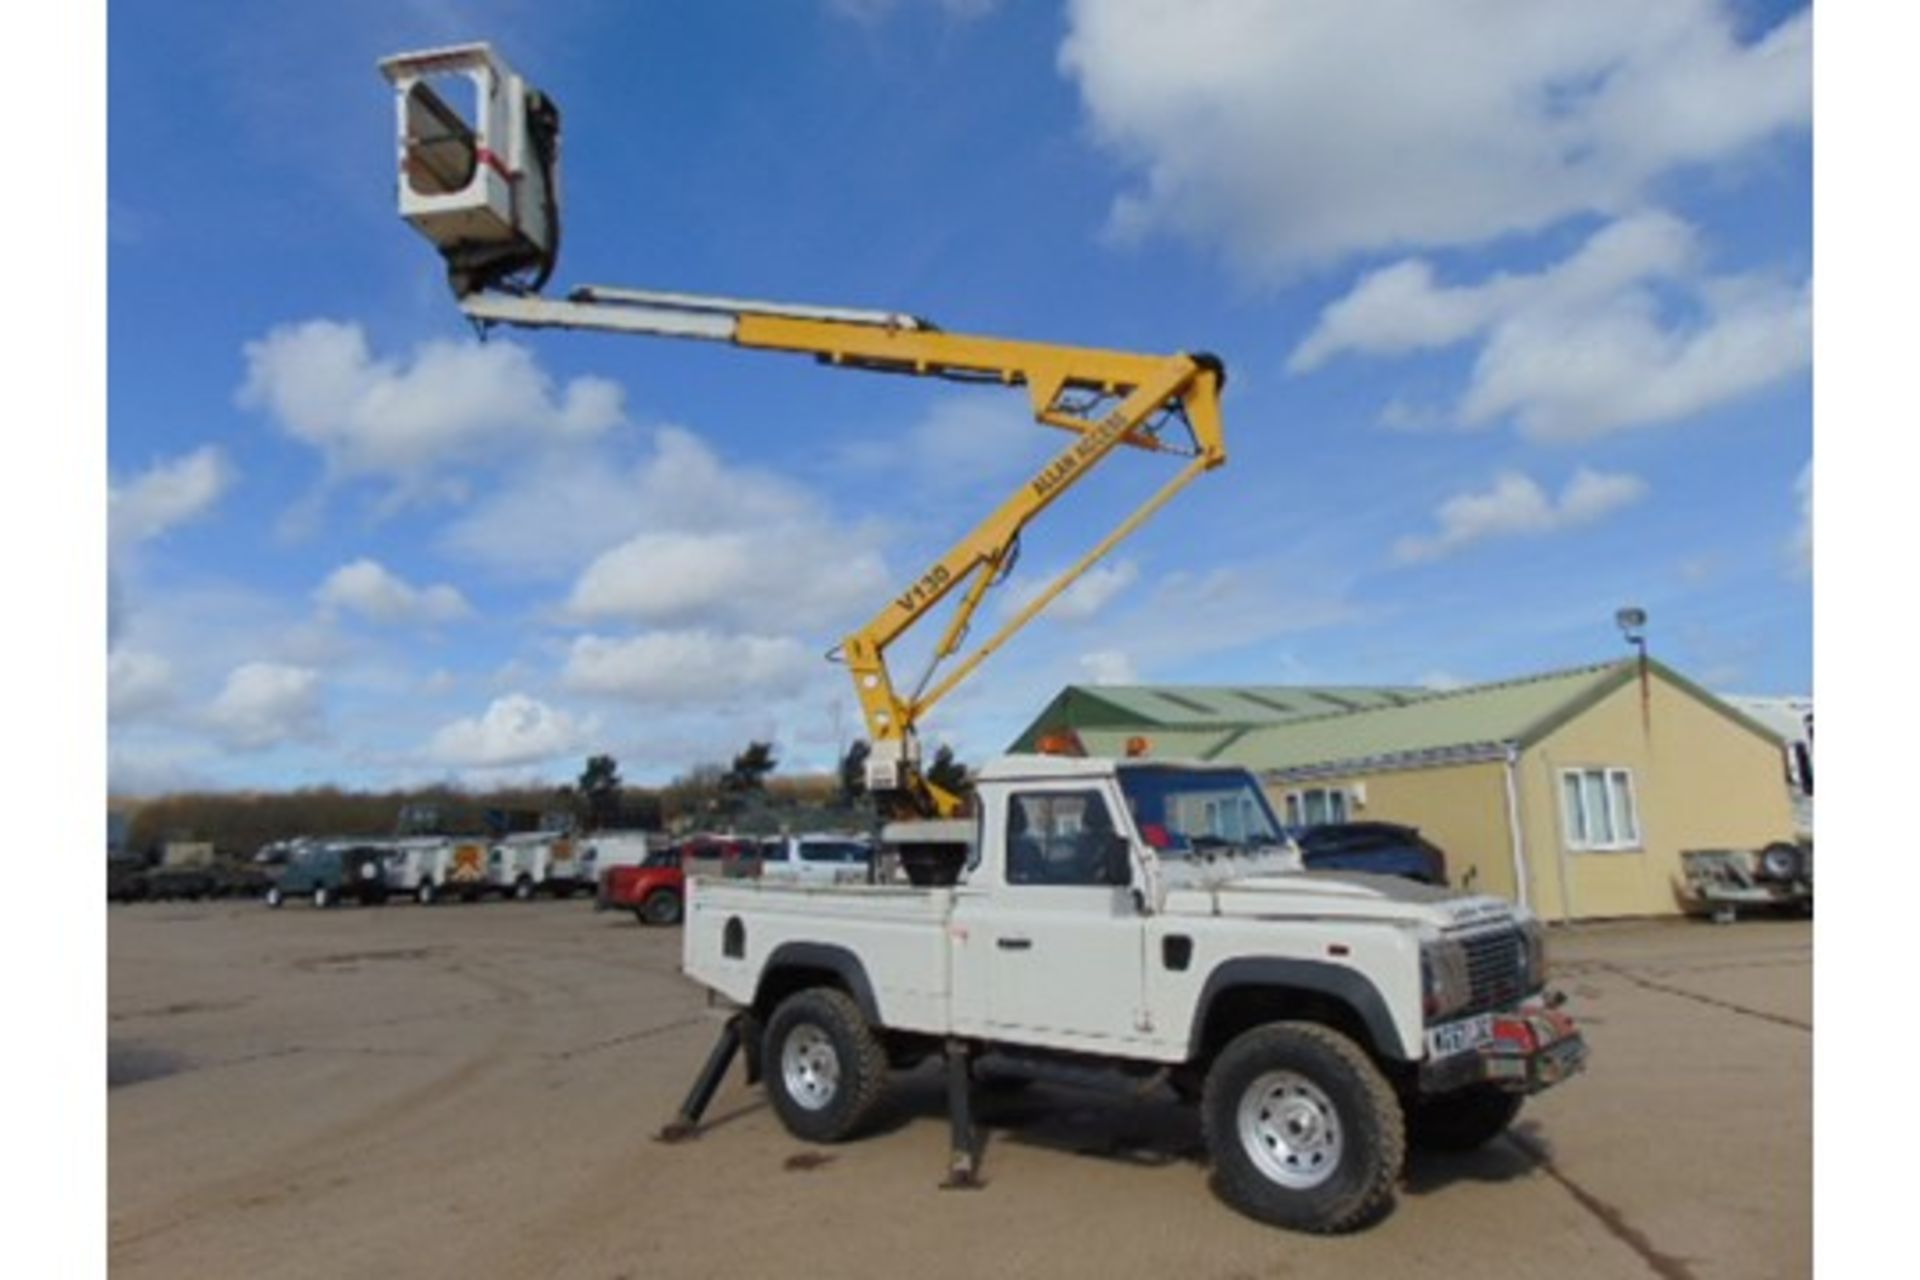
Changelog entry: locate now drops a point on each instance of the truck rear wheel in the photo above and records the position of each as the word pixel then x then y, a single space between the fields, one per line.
pixel 826 1070
pixel 1461 1121
pixel 424 893
pixel 322 896
pixel 1304 1131
pixel 523 890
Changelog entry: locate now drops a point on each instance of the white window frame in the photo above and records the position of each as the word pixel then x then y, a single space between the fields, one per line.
pixel 1333 799
pixel 1624 831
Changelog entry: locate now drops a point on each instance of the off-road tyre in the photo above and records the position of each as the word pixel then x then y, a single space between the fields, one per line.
pixel 1780 861
pixel 1357 1187
pixel 322 897
pixel 425 894
pixel 662 906
pixel 523 890
pixel 274 897
pixel 1464 1120
pixel 860 1061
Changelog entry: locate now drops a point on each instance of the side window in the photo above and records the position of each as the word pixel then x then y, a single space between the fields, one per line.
pixel 773 851
pixel 1061 838
pixel 1316 806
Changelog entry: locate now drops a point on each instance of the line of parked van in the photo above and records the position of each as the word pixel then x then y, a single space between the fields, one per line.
pixel 624 869
pixel 430 869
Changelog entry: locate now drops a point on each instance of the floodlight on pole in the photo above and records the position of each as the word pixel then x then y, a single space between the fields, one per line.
pixel 1632 621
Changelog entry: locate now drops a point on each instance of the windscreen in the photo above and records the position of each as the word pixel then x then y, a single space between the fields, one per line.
pixel 1185 811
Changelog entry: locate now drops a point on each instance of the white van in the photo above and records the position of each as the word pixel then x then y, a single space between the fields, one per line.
pixel 604 850
pixel 429 868
pixel 817 859
pixel 531 862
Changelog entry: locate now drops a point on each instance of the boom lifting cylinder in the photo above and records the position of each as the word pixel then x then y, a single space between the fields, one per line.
pixel 502 227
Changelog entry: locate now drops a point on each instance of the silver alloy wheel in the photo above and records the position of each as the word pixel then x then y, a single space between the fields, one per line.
pixel 1290 1130
pixel 809 1067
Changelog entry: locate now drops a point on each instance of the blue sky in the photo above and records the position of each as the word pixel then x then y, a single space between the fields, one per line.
pixel 1515 303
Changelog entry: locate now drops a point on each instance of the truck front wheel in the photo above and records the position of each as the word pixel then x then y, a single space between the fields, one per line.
pixel 661 907
pixel 826 1070
pixel 1461 1121
pixel 1304 1131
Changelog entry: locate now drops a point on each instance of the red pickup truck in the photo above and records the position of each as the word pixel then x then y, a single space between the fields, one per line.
pixel 656 890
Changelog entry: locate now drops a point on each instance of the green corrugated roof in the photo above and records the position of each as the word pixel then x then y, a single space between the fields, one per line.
pixel 1174 706
pixel 1517 711
pixel 1135 708
pixel 1351 725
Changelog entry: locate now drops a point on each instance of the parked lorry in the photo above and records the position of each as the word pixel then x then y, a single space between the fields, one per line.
pixel 1320 1020
pixel 1722 883
pixel 534 862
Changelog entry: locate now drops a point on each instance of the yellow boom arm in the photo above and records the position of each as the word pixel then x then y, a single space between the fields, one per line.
pixel 1106 399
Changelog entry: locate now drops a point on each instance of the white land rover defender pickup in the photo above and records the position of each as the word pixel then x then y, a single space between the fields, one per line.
pixel 1148 917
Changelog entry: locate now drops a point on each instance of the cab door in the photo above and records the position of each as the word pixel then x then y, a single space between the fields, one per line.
pixel 1057 942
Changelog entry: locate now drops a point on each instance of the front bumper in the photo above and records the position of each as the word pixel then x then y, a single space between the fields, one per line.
pixel 1532 1048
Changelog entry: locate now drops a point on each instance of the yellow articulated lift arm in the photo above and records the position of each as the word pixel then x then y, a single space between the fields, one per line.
pixel 1106 399
pixel 485 191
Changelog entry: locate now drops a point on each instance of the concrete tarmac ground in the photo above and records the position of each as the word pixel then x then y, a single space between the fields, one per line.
pixel 471 1090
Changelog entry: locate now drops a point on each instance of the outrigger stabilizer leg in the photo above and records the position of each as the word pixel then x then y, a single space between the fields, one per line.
pixel 733 1037
pixel 963 1163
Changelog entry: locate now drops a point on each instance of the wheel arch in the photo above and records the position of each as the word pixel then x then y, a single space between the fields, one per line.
pixel 1244 993
pixel 795 966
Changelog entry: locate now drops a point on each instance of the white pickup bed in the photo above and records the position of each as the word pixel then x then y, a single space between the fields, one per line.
pixel 899 931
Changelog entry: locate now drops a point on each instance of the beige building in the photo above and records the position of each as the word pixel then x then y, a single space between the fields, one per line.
pixel 1574 791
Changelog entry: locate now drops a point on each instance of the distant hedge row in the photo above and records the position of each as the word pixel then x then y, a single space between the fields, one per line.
pixel 238 823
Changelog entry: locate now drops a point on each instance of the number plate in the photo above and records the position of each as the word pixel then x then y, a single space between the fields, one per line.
pixel 1457 1037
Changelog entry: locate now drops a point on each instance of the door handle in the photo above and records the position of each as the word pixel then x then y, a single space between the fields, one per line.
pixel 1014 944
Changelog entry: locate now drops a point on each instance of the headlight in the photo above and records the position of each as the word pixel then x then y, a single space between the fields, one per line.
pixel 1444 983
pixel 1535 935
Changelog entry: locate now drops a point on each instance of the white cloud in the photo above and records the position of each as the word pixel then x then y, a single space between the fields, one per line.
pixel 682 668
pixel 138 684
pixel 264 703
pixel 372 590
pixel 514 730
pixel 720 545
pixel 1517 506
pixel 1109 666
pixel 321 383
pixel 1297 134
pixel 167 495
pixel 156 768
pixel 1801 545
pixel 962 441
pixel 1584 346
pixel 1441 681
pixel 1089 594
pixel 787 577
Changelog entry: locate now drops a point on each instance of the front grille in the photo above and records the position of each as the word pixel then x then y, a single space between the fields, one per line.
pixel 1496 969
